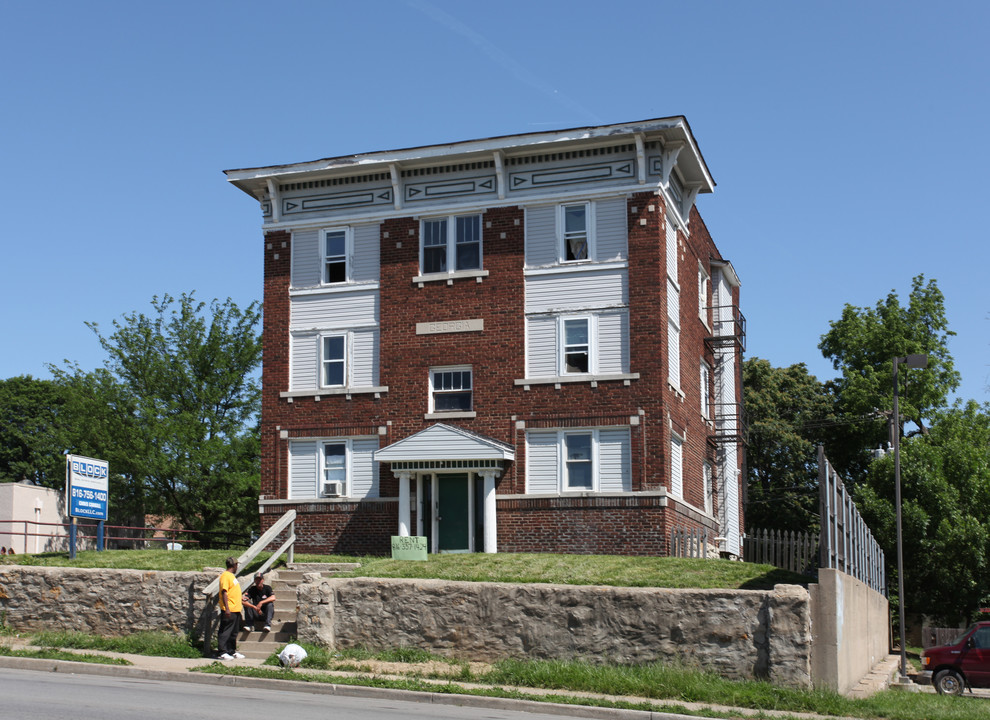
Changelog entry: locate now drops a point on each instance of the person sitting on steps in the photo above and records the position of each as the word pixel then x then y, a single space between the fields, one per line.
pixel 259 604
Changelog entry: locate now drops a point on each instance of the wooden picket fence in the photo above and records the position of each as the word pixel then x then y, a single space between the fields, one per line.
pixel 790 550
pixel 686 543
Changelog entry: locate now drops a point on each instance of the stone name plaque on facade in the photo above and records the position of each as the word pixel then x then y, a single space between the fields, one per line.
pixel 450 326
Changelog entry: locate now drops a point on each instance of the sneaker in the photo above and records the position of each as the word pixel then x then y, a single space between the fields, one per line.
pixel 266 628
pixel 226 656
pixel 238 656
pixel 247 628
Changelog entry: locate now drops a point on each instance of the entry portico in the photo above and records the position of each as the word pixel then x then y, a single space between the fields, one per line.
pixel 455 472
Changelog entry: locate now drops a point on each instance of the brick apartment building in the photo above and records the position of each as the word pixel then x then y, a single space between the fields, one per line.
pixel 526 343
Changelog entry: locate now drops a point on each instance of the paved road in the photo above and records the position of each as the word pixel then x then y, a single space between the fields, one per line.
pixel 31 695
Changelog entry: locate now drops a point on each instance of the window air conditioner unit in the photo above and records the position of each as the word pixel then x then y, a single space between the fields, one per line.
pixel 333 489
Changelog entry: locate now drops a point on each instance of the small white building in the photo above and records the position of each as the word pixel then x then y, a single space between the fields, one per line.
pixel 32 518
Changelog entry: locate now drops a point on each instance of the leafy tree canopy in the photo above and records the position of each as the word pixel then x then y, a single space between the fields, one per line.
pixel 32 431
pixel 787 410
pixel 862 345
pixel 175 410
pixel 945 488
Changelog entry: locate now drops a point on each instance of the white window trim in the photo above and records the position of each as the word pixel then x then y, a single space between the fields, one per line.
pixel 452 271
pixel 704 294
pixel 348 255
pixel 562 473
pixel 674 383
pixel 562 345
pixel 676 491
pixel 322 359
pixel 708 480
pixel 589 219
pixel 346 442
pixel 434 413
pixel 705 389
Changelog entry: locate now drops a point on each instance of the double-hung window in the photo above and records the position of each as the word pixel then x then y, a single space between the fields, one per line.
pixel 334 475
pixel 333 361
pixel 578 466
pixel 575 235
pixel 705 381
pixel 451 244
pixel 335 252
pixel 576 344
pixel 451 390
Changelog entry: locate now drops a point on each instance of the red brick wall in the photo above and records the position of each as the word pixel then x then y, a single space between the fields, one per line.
pixel 600 525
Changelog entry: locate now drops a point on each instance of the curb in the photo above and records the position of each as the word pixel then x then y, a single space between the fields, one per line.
pixel 477 701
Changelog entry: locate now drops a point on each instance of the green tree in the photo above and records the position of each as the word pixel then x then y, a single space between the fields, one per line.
pixel 786 411
pixel 177 406
pixel 862 345
pixel 32 433
pixel 945 489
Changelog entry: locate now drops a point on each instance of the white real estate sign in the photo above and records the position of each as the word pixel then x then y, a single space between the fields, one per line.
pixel 87 487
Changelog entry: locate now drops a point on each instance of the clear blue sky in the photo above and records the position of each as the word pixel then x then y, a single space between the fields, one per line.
pixel 849 141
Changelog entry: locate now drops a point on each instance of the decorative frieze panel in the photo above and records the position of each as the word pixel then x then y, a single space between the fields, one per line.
pixel 443 188
pixel 325 202
pixel 567 175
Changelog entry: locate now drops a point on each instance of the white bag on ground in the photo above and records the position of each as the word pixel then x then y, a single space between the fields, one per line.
pixel 292 655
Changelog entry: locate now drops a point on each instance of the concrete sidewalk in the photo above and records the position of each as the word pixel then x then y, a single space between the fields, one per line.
pixel 181 670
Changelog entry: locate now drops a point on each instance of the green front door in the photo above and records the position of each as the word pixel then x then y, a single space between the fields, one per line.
pixel 453 513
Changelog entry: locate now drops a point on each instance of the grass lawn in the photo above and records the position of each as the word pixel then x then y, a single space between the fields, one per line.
pixel 478 567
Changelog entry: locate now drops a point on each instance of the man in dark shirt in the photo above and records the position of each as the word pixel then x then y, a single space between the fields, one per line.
pixel 259 604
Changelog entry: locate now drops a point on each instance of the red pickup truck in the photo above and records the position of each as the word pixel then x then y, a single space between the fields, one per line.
pixel 963 662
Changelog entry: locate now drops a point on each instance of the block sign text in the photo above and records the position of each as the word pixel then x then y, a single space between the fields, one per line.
pixel 409 547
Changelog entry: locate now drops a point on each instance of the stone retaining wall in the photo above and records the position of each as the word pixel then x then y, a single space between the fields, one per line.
pixel 740 634
pixel 104 602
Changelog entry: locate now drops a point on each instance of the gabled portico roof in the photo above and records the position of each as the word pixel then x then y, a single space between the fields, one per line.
pixel 443 443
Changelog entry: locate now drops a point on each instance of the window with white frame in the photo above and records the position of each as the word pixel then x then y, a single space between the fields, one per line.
pixel 576 345
pixel 706 471
pixel 673 335
pixel 336 250
pixel 578 468
pixel 334 469
pixel 703 293
pixel 333 361
pixel 578 460
pixel 575 234
pixel 676 466
pixel 451 389
pixel 705 383
pixel 451 244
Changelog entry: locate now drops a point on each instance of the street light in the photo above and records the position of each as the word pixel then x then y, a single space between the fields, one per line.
pixel 912 361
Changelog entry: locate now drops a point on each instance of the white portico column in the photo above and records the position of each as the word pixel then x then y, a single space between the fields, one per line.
pixel 491 531
pixel 403 502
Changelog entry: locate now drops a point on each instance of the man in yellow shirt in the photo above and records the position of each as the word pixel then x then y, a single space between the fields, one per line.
pixel 230 613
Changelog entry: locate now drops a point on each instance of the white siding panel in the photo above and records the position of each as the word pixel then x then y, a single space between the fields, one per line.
pixel 367 251
pixel 676 467
pixel 306 258
pixel 304 352
pixel 364 358
pixel 303 468
pixel 613 342
pixel 541 462
pixel 364 469
pixel 334 310
pixel 574 291
pixel 541 346
pixel 615 461
pixel 541 236
pixel 673 303
pixel 611 236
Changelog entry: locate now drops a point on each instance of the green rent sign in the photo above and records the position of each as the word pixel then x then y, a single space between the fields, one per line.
pixel 409 548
